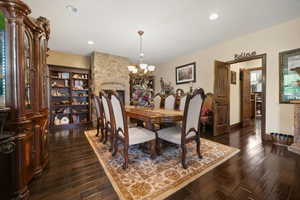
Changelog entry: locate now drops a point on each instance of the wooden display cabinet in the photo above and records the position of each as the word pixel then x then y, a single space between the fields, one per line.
pixel 24 89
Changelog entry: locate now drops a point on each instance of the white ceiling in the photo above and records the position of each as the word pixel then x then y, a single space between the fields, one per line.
pixel 172 27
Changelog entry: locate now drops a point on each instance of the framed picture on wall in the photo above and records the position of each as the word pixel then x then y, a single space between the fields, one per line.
pixel 233 77
pixel 185 73
pixel 289 74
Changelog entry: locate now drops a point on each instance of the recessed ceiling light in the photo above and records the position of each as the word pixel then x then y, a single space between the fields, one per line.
pixel 213 16
pixel 91 42
pixel 72 8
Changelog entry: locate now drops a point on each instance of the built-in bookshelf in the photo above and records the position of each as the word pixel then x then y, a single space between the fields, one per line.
pixel 70 97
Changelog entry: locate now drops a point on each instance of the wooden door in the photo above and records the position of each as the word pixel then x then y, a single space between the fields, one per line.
pixel 245 98
pixel 221 91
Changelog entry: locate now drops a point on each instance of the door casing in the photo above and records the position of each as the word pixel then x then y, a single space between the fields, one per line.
pixel 263 57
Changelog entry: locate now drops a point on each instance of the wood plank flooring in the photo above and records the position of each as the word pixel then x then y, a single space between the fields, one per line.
pixel 259 171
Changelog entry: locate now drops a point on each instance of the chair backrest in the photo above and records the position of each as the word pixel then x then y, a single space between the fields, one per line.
pixel 118 116
pixel 104 100
pixel 182 102
pixel 157 100
pixel 192 110
pixel 179 92
pixel 170 102
pixel 97 105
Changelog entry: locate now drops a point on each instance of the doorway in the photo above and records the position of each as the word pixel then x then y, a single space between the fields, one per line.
pixel 240 88
pixel 246 94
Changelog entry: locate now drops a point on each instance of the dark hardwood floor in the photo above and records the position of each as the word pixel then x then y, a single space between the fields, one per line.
pixel 259 171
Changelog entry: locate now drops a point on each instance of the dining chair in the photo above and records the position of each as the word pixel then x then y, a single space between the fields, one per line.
pixel 191 126
pixel 99 116
pixel 157 100
pixel 179 92
pixel 108 132
pixel 170 102
pixel 182 102
pixel 127 136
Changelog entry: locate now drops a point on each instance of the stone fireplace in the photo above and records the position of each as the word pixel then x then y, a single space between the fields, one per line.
pixel 110 72
pixel 296 146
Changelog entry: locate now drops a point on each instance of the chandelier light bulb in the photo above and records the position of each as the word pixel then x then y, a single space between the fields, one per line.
pixel 131 68
pixel 143 66
pixel 151 68
pixel 134 70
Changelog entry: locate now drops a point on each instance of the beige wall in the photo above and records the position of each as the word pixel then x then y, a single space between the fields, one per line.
pixel 68 60
pixel 279 117
pixel 235 89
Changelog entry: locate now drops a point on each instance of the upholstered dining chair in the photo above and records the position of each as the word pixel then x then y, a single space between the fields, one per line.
pixel 191 126
pixel 99 115
pixel 157 100
pixel 123 134
pixel 170 101
pixel 108 133
pixel 182 100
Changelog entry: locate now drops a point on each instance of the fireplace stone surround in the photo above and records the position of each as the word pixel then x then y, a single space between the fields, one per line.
pixel 109 72
pixel 295 147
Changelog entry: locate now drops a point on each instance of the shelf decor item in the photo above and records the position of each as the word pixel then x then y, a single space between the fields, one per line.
pixel 69 90
pixel 185 73
pixel 289 72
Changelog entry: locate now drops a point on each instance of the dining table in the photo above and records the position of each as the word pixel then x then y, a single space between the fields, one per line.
pixel 152 115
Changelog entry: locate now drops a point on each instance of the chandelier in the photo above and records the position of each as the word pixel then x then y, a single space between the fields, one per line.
pixel 142 69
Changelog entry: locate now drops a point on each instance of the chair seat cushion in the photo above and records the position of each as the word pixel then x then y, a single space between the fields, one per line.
pixel 172 134
pixel 138 135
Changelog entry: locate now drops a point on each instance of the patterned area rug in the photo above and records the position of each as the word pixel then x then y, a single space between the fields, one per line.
pixel 147 179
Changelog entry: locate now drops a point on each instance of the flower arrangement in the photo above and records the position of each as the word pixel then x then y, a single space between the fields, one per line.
pixel 141 96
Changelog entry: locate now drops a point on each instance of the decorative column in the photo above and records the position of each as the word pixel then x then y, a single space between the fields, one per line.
pixel 295 147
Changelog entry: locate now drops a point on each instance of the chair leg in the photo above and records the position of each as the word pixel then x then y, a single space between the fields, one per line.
pixel 115 150
pixel 198 148
pixel 111 140
pixel 157 144
pixel 102 134
pixel 183 156
pixel 105 136
pixel 153 149
pixel 98 127
pixel 125 165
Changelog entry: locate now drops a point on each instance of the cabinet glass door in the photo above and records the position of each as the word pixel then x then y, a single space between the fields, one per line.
pixel 27 71
pixel 3 60
pixel 44 72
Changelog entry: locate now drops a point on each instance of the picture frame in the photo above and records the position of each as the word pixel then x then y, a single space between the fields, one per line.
pixel 185 73
pixel 289 76
pixel 233 77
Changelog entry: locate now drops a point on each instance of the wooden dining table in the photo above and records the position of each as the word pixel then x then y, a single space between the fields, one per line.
pixel 152 116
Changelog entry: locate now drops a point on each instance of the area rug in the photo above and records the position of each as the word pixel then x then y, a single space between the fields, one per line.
pixel 147 179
